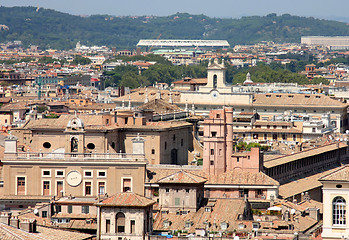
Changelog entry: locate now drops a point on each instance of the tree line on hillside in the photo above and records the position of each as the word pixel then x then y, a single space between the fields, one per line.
pixel 52 29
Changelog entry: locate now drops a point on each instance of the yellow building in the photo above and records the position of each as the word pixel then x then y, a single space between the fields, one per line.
pixel 335 207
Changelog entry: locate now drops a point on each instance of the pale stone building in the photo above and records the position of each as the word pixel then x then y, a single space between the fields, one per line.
pixel 125 216
pixel 335 204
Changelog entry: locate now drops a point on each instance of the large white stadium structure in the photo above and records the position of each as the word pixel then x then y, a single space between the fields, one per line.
pixel 183 43
pixel 336 42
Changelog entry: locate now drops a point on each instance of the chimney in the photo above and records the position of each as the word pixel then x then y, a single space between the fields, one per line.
pixel 314 213
pixel 28 225
pixel 138 145
pixel 5 218
pixel 11 144
pixel 14 222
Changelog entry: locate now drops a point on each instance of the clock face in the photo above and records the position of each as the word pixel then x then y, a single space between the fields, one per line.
pixel 214 94
pixel 74 178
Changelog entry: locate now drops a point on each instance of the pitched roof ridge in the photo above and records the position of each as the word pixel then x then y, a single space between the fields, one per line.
pixel 333 172
pixel 188 174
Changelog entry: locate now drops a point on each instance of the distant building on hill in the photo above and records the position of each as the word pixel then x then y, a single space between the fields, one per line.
pixel 333 43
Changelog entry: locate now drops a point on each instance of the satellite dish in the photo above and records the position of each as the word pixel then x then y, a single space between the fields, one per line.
pixel 36 211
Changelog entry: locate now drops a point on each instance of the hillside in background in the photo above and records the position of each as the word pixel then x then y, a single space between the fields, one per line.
pixel 49 28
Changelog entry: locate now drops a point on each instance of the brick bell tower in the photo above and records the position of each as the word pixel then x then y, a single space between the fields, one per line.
pixel 218 141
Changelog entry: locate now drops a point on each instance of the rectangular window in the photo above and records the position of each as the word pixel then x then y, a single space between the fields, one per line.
pixel 85 209
pixel 126 185
pixel 70 209
pixel 167 190
pixel 46 173
pixel 213 134
pixel 102 174
pixel 88 174
pixel 182 142
pixel 133 226
pixel 59 173
pixel 212 151
pixel 60 188
pixel 177 201
pixel 107 225
pixel 20 185
pixel 58 208
pixel 243 192
pixel 101 188
pixel 88 188
pixel 284 136
pixel 46 188
pixel 44 214
pixel 153 151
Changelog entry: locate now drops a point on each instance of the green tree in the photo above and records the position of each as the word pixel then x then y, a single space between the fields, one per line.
pixel 46 60
pixel 129 79
pixel 81 60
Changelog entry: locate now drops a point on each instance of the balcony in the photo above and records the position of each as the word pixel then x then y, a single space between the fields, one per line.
pixel 71 157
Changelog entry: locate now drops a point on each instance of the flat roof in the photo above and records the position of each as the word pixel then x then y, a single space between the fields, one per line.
pixel 182 43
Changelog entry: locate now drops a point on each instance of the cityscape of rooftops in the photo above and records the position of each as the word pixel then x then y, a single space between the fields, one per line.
pixel 153 120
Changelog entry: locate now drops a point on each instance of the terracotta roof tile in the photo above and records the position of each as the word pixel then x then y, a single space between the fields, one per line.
pixel 341 174
pixel 182 177
pixel 10 233
pixel 287 99
pixel 127 199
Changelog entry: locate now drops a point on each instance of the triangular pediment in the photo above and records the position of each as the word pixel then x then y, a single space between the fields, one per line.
pixel 215 66
pixel 182 177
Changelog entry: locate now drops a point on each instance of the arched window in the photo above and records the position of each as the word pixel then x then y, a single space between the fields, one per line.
pixel 74 144
pixel 215 81
pixel 339 211
pixel 120 222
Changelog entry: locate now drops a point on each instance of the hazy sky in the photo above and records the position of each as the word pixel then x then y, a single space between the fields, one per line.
pixel 328 9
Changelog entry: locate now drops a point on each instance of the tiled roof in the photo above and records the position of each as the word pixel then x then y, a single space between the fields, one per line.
pixel 288 99
pixel 160 105
pixel 140 94
pixel 192 81
pixel 223 210
pixel 242 177
pixel 127 199
pixel 300 155
pixel 182 177
pixel 272 123
pixel 234 177
pixel 79 224
pixel 304 184
pixel 14 106
pixel 90 121
pixel 341 174
pixel 304 205
pixel 94 106
pixel 10 233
